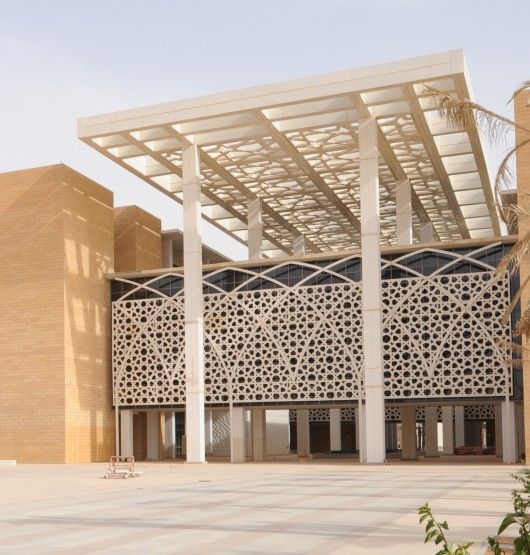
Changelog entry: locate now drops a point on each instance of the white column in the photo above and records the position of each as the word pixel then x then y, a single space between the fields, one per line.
pixel 193 305
pixel 126 433
pixel 448 435
pixel 153 431
pixel 255 229
pixel 498 430
pixel 208 432
pixel 427 233
pixel 360 432
pixel 169 435
pixel 259 434
pixel 403 212
pixel 460 438
pixel 408 433
pixel 167 252
pixel 509 454
pixel 303 445
pixel 431 432
pixel 238 443
pixel 371 292
pixel 334 430
pixel 299 246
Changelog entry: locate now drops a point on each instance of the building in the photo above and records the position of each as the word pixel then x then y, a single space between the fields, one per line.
pixel 367 318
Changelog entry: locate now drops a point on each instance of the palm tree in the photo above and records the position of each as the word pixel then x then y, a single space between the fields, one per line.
pixel 459 113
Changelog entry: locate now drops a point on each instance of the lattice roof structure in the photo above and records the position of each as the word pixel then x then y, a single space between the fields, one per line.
pixel 294 145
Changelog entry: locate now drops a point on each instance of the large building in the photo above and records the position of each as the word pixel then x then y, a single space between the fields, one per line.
pixel 368 317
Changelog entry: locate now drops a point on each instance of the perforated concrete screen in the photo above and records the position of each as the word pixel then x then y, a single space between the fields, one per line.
pixel 291 332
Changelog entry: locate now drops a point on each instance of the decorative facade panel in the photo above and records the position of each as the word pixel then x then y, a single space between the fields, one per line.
pixel 292 332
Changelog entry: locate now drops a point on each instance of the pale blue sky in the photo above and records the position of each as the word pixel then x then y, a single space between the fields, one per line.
pixel 64 59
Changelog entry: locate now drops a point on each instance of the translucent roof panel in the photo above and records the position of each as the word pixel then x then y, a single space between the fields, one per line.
pixel 295 146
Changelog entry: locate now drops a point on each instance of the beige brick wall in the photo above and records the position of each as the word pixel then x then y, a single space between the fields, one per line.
pixel 522 117
pixel 56 242
pixel 137 240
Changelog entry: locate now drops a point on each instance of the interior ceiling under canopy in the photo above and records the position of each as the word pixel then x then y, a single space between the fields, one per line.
pixel 294 145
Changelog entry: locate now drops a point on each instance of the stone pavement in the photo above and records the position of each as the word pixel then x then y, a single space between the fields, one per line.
pixel 276 508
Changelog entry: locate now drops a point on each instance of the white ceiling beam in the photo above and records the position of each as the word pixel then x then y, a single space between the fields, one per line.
pixel 436 161
pixel 308 170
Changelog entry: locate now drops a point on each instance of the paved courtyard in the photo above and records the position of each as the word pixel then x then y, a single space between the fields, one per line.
pixel 275 508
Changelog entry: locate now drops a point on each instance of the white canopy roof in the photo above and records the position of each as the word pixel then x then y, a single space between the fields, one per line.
pixel 295 146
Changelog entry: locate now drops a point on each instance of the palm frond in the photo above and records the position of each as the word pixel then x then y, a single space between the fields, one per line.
pixel 524 86
pixel 522 327
pixel 505 178
pixel 512 259
pixel 514 301
pixel 461 112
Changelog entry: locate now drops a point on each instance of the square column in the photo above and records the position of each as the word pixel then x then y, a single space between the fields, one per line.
pixel 498 430
pixel 167 252
pixel 403 213
pixel 460 437
pixel 170 435
pixel 427 233
pixel 448 435
pixel 509 454
pixel 371 292
pixel 126 433
pixel 208 431
pixel 360 432
pixel 303 445
pixel 259 434
pixel 193 305
pixel 334 430
pixel 408 433
pixel 299 246
pixel 255 229
pixel 431 432
pixel 153 432
pixel 238 443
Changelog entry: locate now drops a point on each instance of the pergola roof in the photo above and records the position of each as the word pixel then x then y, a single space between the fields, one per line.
pixel 295 146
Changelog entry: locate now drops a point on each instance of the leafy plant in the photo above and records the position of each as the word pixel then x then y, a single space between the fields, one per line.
pixel 519 517
pixel 435 532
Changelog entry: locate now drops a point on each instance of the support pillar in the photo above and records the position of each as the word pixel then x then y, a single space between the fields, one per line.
pixel 259 434
pixel 153 434
pixel 167 252
pixel 360 432
pixel 126 433
pixel 170 435
pixel 238 443
pixel 403 213
pixel 299 246
pixel 498 430
pixel 431 432
pixel 303 445
pixel 408 433
pixel 334 430
pixel 208 432
pixel 448 435
pixel 427 233
pixel 374 421
pixel 193 305
pixel 460 436
pixel 509 454
pixel 255 229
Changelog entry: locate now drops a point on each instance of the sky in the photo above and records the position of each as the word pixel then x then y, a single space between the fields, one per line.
pixel 60 60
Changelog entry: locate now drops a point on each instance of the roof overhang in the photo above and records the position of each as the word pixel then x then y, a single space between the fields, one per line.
pixel 295 146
